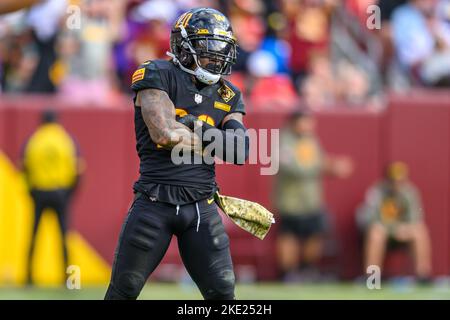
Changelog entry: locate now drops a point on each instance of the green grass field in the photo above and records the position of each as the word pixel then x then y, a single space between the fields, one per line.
pixel 341 291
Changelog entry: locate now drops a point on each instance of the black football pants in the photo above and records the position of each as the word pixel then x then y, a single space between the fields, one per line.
pixel 146 235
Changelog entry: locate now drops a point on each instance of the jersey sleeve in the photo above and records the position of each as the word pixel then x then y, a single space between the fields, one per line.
pixel 232 96
pixel 238 105
pixel 149 76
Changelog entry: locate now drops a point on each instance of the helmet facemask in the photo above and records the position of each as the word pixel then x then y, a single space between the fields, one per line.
pixel 219 53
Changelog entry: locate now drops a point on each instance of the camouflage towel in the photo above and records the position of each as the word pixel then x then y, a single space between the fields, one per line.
pixel 248 215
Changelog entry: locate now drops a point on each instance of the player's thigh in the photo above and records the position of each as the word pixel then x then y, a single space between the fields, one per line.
pixel 206 253
pixel 143 241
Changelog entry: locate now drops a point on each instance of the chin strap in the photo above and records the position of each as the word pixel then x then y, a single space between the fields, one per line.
pixel 200 73
pixel 178 63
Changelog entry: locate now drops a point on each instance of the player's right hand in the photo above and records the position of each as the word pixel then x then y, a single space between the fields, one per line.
pixel 187 140
pixel 188 120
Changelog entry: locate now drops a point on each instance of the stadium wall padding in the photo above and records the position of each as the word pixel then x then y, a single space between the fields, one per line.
pixel 419 135
pixel 2 126
pixel 413 129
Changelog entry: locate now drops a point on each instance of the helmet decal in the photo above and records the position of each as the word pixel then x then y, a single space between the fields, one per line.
pixel 183 20
pixel 219 17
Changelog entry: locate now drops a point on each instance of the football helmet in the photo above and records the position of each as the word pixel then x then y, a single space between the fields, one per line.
pixel 202 44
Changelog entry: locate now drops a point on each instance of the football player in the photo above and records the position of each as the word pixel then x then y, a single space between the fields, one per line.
pixel 173 98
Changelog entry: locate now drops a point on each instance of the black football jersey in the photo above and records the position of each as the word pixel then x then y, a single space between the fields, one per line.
pixel 160 178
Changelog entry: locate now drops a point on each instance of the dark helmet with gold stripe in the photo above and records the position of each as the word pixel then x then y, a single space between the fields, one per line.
pixel 202 43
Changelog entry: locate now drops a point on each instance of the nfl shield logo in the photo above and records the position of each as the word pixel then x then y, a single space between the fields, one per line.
pixel 198 98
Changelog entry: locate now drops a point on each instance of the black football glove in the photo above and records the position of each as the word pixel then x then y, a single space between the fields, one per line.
pixel 188 120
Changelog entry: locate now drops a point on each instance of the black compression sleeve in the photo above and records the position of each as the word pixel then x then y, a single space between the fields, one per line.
pixel 230 144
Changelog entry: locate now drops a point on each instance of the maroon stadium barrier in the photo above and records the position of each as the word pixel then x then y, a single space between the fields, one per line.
pixel 419 135
pixel 415 130
pixel 3 116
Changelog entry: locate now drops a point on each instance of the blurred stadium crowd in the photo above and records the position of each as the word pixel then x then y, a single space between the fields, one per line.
pixel 321 52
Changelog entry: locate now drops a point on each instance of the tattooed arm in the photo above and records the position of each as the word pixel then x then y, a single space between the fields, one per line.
pixel 158 112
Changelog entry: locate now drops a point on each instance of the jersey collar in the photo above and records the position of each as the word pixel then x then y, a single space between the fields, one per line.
pixel 206 91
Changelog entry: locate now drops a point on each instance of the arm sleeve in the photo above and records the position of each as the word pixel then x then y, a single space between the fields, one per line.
pixel 149 76
pixel 239 105
pixel 234 143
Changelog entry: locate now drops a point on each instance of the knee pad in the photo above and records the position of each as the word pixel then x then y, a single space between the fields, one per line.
pixel 222 288
pixel 113 294
pixel 127 287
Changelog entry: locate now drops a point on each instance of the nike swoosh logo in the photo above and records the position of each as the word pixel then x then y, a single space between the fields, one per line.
pixel 210 200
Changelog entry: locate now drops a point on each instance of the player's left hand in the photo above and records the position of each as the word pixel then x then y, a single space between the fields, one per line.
pixel 188 120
